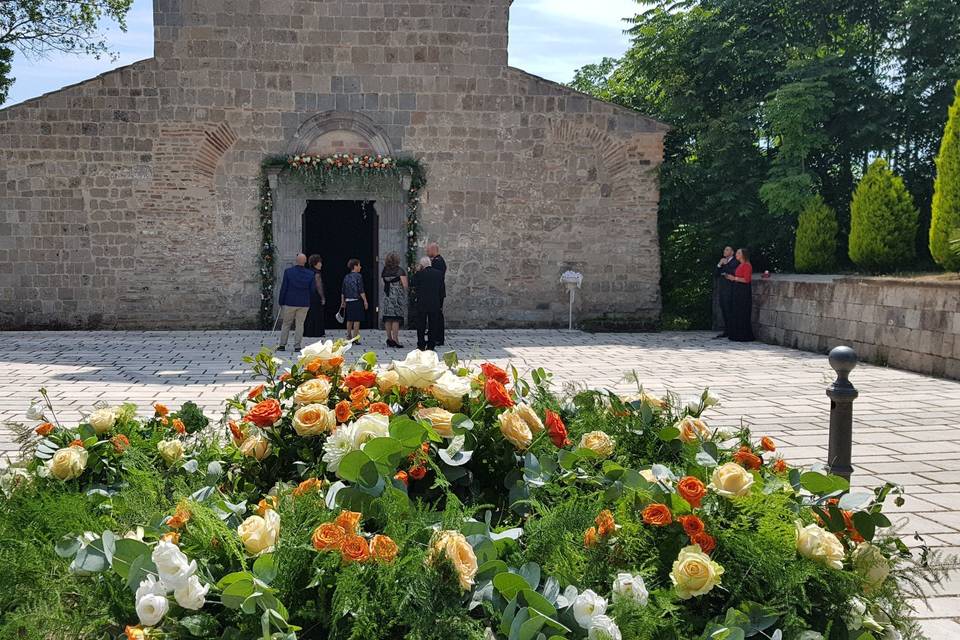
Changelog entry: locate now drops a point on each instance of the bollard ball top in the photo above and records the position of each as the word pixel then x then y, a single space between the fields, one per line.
pixel 843 359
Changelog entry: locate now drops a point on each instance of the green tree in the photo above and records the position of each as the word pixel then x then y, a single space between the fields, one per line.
pixel 38 27
pixel 815 250
pixel 883 221
pixel 945 221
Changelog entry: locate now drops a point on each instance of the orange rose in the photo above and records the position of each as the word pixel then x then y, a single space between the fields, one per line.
pixel 556 429
pixel 349 521
pixel 358 397
pixel 692 525
pixel 493 372
pixel 418 472
pixel 171 536
pixel 44 429
pixel 343 411
pixel 159 409
pixel 766 442
pixel 135 633
pixel 265 413
pixel 355 549
pixel 496 394
pixel 402 477
pixel 314 366
pixel 179 519
pixel 380 407
pixel 366 379
pixel 657 514
pixel 590 538
pixel 120 443
pixel 747 459
pixel 691 490
pixel 256 392
pixel 77 443
pixel 605 523
pixel 705 540
pixel 308 485
pixel 332 364
pixel 780 465
pixel 383 549
pixel 851 529
pixel 238 435
pixel 284 376
pixel 270 502
pixel 328 537
pixel 178 426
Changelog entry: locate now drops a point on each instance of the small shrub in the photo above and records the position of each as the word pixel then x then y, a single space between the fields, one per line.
pixel 816 248
pixel 945 213
pixel 883 221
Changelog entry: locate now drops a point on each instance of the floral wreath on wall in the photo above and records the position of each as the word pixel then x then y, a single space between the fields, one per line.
pixel 374 174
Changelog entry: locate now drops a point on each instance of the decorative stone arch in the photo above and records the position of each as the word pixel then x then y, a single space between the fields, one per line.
pixel 339 132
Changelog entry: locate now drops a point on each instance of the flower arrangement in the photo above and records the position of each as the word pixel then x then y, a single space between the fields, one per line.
pixel 431 498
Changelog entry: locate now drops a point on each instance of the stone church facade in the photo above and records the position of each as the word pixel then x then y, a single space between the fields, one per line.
pixel 131 200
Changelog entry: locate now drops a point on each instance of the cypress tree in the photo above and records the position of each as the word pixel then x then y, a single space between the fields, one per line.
pixel 815 250
pixel 945 213
pixel 883 221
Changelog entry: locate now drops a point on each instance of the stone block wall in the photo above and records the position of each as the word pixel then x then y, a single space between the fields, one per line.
pixel 906 323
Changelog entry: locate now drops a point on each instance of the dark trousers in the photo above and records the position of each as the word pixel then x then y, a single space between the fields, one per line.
pixel 428 324
pixel 440 327
pixel 726 304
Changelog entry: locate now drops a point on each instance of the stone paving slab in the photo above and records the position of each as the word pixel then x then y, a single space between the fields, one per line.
pixel 905 423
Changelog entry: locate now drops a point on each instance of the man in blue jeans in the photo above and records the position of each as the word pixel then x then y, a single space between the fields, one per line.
pixel 298 280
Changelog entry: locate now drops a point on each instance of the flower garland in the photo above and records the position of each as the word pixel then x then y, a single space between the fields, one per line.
pixel 377 174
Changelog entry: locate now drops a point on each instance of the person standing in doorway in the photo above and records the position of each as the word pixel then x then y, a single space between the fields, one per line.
pixel 395 285
pixel 727 266
pixel 314 327
pixel 353 300
pixel 438 263
pixel 298 281
pixel 741 322
pixel 427 288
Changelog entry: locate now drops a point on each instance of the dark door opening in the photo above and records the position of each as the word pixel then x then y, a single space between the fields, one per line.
pixel 339 230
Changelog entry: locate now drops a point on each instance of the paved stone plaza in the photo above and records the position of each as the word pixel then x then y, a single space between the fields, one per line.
pixel 906 429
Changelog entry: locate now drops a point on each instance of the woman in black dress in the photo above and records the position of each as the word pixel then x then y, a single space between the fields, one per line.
pixel 314 325
pixel 741 325
pixel 353 300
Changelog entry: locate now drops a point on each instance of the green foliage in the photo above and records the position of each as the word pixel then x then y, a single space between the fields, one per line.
pixel 945 216
pixel 815 250
pixel 883 221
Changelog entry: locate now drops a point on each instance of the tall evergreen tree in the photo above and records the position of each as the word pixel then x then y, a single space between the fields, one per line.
pixel 816 248
pixel 945 220
pixel 883 221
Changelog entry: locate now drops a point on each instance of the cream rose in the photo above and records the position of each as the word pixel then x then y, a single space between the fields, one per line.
pixel 322 351
pixel 68 463
pixel 587 606
pixel 731 480
pixel 440 419
pixel 102 420
pixel 313 420
pixel 870 563
pixel 820 545
pixel 170 450
pixel 630 588
pixel 313 391
pixel 387 381
pixel 515 430
pixel 368 427
pixel 694 573
pixel 603 627
pixel 255 447
pixel 693 429
pixel 420 369
pixel 259 533
pixel 449 390
pixel 598 442
pixel 455 547
pixel 530 416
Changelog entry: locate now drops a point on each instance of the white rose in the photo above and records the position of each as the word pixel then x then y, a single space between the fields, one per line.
pixel 191 595
pixel 630 587
pixel 820 545
pixel 102 420
pixel 134 534
pixel 337 446
pixel 259 534
pixel 35 412
pixel 150 586
pixel 870 563
pixel 151 608
pixel 170 450
pixel 449 390
pixel 68 463
pixel 603 628
pixel 368 427
pixel 324 350
pixel 731 480
pixel 420 369
pixel 173 567
pixel 588 605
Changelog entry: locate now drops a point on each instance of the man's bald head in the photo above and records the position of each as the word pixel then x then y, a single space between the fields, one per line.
pixel 433 249
pixel 301 259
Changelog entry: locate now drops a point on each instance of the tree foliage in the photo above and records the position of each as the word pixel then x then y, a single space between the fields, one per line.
pixel 39 27
pixel 945 219
pixel 815 250
pixel 883 221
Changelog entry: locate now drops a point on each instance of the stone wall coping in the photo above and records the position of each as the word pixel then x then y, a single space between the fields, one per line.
pixel 865 280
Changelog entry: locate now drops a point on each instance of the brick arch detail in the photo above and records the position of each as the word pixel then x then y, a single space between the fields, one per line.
pixel 614 157
pixel 323 124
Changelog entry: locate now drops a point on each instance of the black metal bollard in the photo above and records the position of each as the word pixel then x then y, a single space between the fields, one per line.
pixel 842 394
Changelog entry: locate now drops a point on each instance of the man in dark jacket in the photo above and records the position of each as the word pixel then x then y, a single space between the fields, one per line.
pixel 298 280
pixel 728 265
pixel 438 263
pixel 428 291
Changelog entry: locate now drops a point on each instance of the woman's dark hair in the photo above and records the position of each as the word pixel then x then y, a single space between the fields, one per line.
pixel 314 260
pixel 352 264
pixel 392 260
pixel 746 254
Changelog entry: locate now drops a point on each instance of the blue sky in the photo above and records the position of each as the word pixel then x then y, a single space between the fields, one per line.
pixel 550 38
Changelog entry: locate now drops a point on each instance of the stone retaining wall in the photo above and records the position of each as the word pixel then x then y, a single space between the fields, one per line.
pixel 902 322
